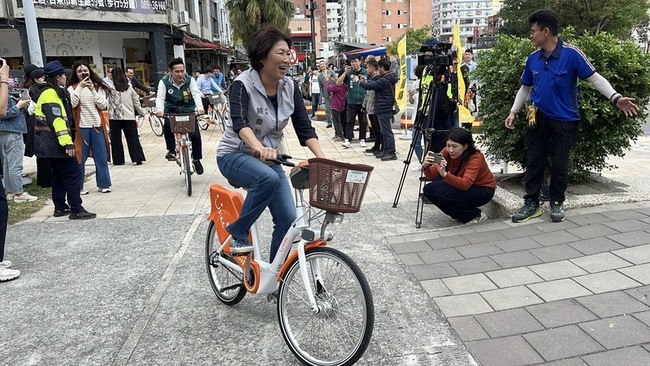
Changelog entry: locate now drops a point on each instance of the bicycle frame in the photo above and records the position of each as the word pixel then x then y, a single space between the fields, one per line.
pixel 226 207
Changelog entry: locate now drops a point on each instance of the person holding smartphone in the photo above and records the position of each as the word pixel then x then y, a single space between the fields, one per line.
pixel 461 178
pixel 12 147
pixel 88 99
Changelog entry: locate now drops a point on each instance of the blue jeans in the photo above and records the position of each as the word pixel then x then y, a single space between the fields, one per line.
pixel 267 186
pixel 388 139
pixel 93 141
pixel 417 143
pixel 12 148
pixel 315 102
pixel 4 216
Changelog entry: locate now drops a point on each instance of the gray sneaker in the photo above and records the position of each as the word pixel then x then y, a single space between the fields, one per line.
pixel 557 212
pixel 528 211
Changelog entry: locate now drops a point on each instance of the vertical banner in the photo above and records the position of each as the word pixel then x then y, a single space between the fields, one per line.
pixel 400 89
pixel 464 115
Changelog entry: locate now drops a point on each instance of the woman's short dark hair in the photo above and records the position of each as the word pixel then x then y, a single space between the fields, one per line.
pixel 74 78
pixel 119 80
pixel 463 137
pixel 419 69
pixel 261 43
pixel 545 18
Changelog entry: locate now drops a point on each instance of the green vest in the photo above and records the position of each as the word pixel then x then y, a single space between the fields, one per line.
pixel 178 100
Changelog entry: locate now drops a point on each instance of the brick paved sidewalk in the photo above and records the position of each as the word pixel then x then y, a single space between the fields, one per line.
pixel 524 294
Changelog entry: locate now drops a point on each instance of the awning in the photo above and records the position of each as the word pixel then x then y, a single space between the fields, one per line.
pixel 375 51
pixel 202 45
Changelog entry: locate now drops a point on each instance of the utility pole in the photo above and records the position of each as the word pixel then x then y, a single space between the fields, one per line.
pixel 33 40
pixel 312 7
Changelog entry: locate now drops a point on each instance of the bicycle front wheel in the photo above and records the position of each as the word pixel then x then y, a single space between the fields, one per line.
pixel 226 283
pixel 156 124
pixel 187 169
pixel 339 333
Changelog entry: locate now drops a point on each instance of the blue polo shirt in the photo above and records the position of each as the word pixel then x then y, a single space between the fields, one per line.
pixel 555 80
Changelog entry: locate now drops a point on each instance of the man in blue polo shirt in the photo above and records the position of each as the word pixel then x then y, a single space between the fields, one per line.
pixel 552 73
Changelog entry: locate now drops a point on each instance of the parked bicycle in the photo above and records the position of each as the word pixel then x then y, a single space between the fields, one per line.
pixel 182 126
pixel 324 303
pixel 218 113
pixel 151 118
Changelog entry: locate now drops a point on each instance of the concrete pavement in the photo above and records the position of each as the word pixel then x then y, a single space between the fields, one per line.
pixel 130 287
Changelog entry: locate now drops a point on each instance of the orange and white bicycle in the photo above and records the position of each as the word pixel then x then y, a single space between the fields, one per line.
pixel 324 303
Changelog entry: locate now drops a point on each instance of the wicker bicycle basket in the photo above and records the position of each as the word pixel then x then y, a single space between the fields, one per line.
pixel 149 101
pixel 182 122
pixel 336 186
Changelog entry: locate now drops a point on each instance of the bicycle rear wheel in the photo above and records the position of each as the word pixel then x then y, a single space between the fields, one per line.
pixel 187 169
pixel 340 332
pixel 156 124
pixel 225 116
pixel 225 283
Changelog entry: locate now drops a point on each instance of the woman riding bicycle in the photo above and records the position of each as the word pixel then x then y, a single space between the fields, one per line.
pixel 262 100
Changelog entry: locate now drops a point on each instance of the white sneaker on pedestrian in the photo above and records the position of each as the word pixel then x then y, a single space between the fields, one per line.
pixel 5 264
pixel 104 190
pixel 346 144
pixel 25 197
pixel 362 143
pixel 10 196
pixel 8 274
pixel 417 167
pixel 480 218
pixel 83 192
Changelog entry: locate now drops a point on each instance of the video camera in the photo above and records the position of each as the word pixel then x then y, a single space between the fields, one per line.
pixel 436 55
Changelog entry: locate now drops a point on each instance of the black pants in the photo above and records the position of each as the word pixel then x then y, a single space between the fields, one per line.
pixel 560 137
pixel 4 216
pixel 354 110
pixel 206 103
pixel 132 141
pixel 66 180
pixel 375 131
pixel 43 173
pixel 460 205
pixel 197 145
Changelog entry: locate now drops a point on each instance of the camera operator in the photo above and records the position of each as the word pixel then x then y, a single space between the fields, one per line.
pixel 436 72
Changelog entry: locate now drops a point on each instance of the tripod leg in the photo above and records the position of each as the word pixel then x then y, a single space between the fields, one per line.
pixel 420 207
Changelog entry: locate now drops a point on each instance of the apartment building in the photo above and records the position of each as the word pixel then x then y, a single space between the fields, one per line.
pixel 471 14
pixel 143 34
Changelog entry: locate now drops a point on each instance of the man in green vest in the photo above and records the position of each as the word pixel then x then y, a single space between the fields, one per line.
pixel 179 93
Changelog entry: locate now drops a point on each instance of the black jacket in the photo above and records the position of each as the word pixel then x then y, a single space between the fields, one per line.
pixel 384 88
pixel 137 84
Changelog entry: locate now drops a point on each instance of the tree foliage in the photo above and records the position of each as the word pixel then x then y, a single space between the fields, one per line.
pixel 414 39
pixel 604 129
pixel 585 16
pixel 246 16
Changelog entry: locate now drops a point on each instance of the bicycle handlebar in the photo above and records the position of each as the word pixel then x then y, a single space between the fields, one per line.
pixel 281 159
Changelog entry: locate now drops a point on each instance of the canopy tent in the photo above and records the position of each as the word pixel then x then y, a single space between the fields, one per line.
pixel 375 51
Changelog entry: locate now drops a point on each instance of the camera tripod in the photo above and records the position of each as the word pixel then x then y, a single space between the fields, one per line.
pixel 424 125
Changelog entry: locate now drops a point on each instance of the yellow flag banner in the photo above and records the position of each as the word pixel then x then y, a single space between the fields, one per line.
pixel 400 88
pixel 464 115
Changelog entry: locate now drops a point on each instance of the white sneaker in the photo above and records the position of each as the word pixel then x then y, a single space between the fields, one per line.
pixel 5 264
pixel 362 143
pixel 482 217
pixel 417 167
pixel 25 197
pixel 104 190
pixel 346 144
pixel 83 192
pixel 7 274
pixel 10 196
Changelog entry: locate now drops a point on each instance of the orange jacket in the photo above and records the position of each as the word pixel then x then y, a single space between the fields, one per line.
pixel 474 172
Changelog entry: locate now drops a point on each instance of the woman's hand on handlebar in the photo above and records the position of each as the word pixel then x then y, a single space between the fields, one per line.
pixel 265 153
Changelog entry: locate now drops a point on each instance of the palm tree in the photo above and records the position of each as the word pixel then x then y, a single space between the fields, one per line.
pixel 246 16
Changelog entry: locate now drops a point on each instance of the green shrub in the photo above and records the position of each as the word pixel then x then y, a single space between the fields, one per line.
pixel 604 129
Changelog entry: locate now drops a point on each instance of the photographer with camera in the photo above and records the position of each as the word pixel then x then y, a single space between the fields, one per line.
pixel 435 92
pixel 356 94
